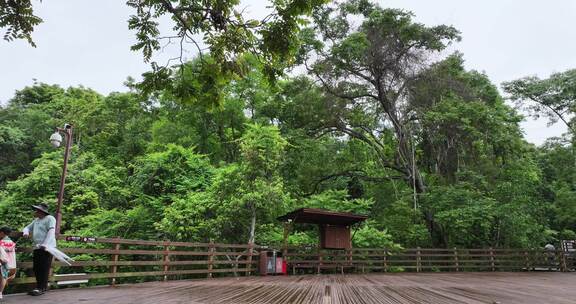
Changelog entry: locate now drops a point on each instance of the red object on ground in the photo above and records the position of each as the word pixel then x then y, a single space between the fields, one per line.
pixel 284 268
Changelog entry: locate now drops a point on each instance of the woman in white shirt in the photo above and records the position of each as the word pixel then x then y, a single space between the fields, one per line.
pixel 41 230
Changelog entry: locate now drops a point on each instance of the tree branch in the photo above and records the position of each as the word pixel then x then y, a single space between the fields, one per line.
pixel 351 174
pixel 176 12
pixel 534 99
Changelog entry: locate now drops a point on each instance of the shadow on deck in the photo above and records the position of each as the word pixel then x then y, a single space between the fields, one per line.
pixel 438 288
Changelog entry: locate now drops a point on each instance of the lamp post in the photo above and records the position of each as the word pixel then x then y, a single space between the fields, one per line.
pixel 56 140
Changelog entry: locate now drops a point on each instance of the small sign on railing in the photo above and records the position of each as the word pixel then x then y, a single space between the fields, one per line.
pixel 569 245
pixel 70 279
pixel 81 239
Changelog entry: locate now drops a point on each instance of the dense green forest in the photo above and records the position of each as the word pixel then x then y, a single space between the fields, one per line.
pixel 376 119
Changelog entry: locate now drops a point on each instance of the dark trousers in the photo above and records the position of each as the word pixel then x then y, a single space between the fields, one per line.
pixel 42 262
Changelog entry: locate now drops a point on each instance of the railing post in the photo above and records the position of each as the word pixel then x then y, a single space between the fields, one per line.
pixel 492 264
pixel 386 260
pixel 526 261
pixel 349 256
pixel 166 260
pixel 418 260
pixel 249 260
pixel 562 260
pixel 115 258
pixel 456 262
pixel 336 257
pixel 210 258
pixel 349 262
pixel 363 269
pixel 319 260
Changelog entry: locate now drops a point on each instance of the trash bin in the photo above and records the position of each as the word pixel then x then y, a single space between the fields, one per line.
pixel 271 262
pixel 263 263
pixel 284 267
pixel 279 266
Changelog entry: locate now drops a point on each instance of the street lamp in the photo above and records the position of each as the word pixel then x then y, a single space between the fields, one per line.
pixel 56 140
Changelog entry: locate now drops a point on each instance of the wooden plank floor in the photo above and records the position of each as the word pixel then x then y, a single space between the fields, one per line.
pixel 438 288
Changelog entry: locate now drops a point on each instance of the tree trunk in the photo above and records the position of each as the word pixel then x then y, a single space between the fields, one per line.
pixel 252 224
pixel 410 166
pixel 405 152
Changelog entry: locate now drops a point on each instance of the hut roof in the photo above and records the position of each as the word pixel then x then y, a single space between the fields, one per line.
pixel 322 216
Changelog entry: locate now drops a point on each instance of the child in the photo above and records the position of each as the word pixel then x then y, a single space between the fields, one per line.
pixel 3 271
pixel 7 258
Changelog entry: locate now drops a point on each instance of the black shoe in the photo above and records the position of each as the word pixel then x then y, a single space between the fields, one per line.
pixel 36 292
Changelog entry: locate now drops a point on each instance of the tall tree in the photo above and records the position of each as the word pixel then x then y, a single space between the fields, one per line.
pixel 262 150
pixel 553 97
pixel 463 122
pixel 369 69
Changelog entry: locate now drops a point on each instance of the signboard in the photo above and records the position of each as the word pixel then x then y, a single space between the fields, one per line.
pixel 569 250
pixel 569 246
pixel 81 239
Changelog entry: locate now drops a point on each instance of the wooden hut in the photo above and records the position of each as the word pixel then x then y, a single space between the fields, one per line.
pixel 334 226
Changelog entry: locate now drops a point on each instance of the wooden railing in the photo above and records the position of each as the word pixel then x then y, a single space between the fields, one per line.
pixel 425 259
pixel 113 260
pixel 110 260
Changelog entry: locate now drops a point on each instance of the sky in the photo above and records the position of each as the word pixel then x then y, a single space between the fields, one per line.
pixel 87 42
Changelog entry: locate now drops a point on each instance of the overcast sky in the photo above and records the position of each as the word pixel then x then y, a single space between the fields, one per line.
pixel 87 42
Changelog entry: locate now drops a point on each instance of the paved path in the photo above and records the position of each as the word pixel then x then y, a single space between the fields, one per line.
pixel 437 288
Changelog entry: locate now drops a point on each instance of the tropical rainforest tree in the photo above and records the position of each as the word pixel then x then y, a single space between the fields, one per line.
pixel 553 97
pixel 368 70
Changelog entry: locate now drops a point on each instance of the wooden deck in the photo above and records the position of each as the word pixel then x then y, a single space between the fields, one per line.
pixel 438 288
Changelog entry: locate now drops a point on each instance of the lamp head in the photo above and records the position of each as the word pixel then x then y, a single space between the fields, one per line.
pixel 56 139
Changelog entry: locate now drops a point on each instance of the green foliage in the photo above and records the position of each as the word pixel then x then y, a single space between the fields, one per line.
pixel 228 35
pixel 472 218
pixel 260 193
pixel 191 218
pixel 368 236
pixel 262 148
pixel 104 223
pixel 337 201
pixel 89 185
pixel 219 24
pixel 37 186
pixel 405 224
pixel 175 171
pixel 12 144
pixel 553 97
pixel 199 82
pixel 19 19
pixel 40 93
